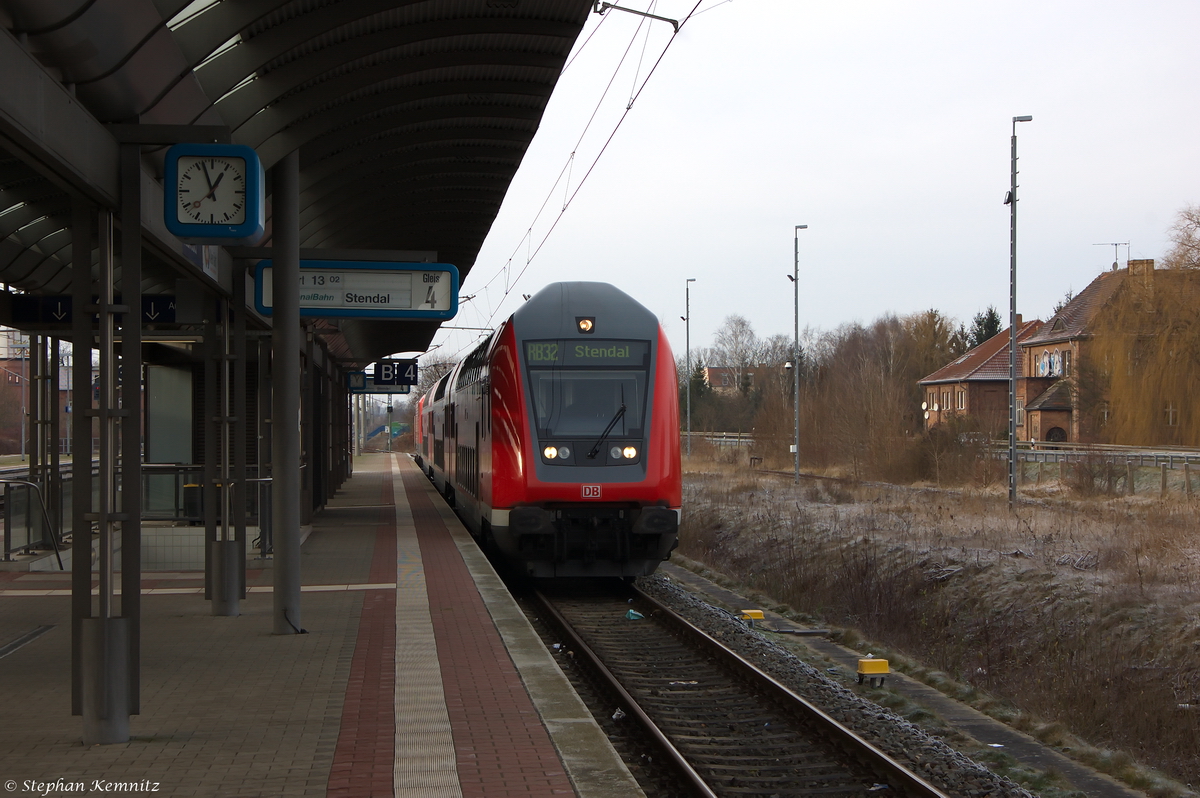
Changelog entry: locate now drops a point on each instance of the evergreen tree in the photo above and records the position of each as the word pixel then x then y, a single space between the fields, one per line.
pixel 985 326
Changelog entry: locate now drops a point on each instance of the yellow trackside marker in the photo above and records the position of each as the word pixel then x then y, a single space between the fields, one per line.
pixel 870 668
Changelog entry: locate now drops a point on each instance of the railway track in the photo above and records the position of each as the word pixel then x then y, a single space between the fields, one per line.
pixel 724 727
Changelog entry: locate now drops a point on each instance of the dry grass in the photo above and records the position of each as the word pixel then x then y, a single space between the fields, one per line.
pixel 1084 612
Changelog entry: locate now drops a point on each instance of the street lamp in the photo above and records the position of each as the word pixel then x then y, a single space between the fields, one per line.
pixel 795 276
pixel 1011 202
pixel 687 294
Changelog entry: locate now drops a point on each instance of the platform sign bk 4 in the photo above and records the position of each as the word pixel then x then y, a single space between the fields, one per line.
pixel 396 372
pixel 366 289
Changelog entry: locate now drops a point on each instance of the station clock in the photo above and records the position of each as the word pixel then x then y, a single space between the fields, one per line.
pixel 213 193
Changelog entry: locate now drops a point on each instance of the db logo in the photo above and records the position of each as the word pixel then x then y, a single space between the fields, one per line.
pixel 591 491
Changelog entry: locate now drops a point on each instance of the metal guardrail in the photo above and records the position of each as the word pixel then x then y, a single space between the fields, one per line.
pixel 170 492
pixel 47 533
pixel 1136 456
pixel 1041 452
pixel 734 440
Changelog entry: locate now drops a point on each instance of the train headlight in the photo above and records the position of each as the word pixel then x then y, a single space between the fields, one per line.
pixel 630 452
pixel 564 452
pixel 615 452
pixel 550 452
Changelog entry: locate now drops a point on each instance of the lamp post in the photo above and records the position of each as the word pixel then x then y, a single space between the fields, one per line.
pixel 687 294
pixel 796 347
pixel 1011 201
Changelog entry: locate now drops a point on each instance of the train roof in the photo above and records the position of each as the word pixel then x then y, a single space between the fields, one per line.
pixel 555 311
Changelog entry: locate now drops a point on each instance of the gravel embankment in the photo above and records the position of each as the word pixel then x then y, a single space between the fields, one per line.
pixel 938 763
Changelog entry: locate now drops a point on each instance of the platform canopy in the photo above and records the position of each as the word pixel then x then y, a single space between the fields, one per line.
pixel 410 117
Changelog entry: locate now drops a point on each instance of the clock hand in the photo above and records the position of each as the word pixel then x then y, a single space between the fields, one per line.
pixel 212 189
pixel 209 195
pixel 207 179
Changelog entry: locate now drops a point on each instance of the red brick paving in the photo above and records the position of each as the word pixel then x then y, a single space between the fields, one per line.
pixel 499 740
pixel 364 759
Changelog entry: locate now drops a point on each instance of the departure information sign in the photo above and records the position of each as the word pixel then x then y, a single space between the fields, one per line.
pixel 589 352
pixel 366 289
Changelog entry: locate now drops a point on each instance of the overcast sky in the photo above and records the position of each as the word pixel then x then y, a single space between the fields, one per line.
pixel 883 126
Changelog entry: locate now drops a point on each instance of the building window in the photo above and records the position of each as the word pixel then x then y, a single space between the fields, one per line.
pixel 1020 412
pixel 1056 364
pixel 1171 414
pixel 1104 411
pixel 945 400
pixel 1066 362
pixel 962 399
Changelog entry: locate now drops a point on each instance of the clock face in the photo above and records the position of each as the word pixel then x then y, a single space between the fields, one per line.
pixel 211 190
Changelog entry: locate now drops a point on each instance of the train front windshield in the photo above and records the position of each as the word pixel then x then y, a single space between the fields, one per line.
pixel 578 387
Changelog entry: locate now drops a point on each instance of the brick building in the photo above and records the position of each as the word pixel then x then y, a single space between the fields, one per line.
pixel 1052 355
pixel 975 384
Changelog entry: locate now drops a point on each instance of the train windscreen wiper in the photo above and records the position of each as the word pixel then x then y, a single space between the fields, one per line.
pixel 600 441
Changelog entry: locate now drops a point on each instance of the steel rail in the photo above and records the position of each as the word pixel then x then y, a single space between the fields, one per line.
pixel 668 749
pixel 896 775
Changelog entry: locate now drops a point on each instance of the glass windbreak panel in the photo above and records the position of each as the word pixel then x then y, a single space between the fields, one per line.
pixel 578 387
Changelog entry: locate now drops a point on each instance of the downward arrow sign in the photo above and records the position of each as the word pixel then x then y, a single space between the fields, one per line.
pixel 59 314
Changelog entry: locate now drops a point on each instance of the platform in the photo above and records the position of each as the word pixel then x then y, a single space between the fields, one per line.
pixel 418 677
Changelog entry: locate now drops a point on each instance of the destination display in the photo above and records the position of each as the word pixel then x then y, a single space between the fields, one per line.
pixel 348 289
pixel 593 352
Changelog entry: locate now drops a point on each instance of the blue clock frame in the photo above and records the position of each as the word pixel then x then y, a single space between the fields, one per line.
pixel 199 233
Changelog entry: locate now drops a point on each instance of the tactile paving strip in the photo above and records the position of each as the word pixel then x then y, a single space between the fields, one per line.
pixel 426 765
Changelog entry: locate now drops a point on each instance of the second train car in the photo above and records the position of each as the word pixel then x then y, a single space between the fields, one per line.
pixel 557 438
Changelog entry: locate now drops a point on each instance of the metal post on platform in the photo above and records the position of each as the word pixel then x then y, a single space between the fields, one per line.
pixel 265 402
pixel 83 216
pixel 225 580
pixel 238 507
pixel 54 480
pixel 285 409
pixel 105 636
pixel 210 482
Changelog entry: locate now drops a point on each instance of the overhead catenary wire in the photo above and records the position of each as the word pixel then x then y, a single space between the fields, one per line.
pixel 604 148
pixel 569 196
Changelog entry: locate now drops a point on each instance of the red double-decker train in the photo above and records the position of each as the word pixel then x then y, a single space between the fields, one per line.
pixel 557 439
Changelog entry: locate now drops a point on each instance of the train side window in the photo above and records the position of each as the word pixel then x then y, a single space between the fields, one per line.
pixel 441 387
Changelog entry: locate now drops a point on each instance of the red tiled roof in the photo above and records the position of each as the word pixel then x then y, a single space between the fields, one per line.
pixel 1056 397
pixel 1073 320
pixel 988 361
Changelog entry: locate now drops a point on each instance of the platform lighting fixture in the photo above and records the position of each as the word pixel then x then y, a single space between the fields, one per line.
pixel 795 278
pixel 1011 201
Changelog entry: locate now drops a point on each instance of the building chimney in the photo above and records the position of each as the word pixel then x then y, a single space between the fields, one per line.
pixel 1018 321
pixel 1142 268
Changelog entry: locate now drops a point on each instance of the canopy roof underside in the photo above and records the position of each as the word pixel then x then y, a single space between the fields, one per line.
pixel 410 117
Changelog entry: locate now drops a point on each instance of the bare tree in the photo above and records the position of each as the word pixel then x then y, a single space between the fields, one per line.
pixel 1185 235
pixel 735 346
pixel 430 369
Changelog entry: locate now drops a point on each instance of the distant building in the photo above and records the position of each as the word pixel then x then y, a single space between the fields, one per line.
pixel 976 384
pixel 1124 348
pixel 723 379
pixel 1106 341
